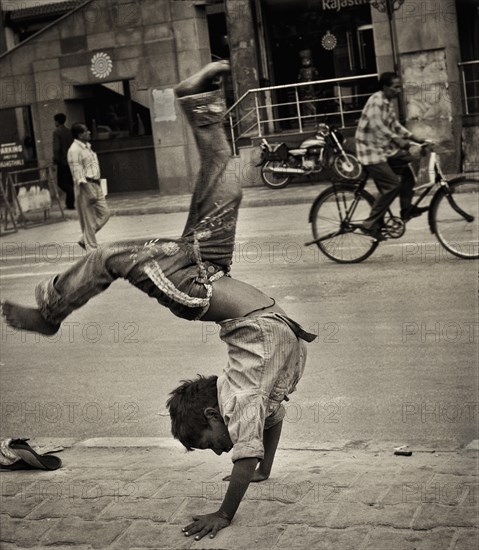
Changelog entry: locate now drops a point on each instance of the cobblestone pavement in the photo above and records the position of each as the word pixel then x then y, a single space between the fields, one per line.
pixel 121 497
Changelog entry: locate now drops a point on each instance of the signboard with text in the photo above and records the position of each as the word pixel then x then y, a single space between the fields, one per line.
pixel 11 155
pixel 337 5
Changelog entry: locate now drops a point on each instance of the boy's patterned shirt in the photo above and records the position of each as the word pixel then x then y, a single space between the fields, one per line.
pixel 377 127
pixel 266 356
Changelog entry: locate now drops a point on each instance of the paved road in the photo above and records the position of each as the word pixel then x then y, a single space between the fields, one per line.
pixel 395 360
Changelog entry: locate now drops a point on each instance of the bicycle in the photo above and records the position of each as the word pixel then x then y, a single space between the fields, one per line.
pixel 337 213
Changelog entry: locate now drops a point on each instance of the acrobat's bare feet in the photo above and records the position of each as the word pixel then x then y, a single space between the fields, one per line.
pixel 27 318
pixel 204 80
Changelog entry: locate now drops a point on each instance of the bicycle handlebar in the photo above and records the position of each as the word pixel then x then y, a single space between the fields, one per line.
pixel 424 144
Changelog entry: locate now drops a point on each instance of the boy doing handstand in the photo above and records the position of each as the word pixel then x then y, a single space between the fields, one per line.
pixel 187 275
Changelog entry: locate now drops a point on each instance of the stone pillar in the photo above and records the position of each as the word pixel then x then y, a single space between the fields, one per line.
pixel 183 48
pixel 382 41
pixel 243 52
pixel 428 48
pixel 192 43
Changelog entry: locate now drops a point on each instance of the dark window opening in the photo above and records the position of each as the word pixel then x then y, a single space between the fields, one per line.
pixel 468 25
pixel 218 36
pixel 112 113
pixel 468 30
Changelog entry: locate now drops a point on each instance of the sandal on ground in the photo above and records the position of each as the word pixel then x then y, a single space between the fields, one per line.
pixel 22 450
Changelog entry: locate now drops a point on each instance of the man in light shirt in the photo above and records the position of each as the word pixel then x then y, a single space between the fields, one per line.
pixel 381 146
pixel 90 200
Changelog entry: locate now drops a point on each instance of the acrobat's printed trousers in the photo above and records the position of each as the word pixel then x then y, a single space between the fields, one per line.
pixel 178 273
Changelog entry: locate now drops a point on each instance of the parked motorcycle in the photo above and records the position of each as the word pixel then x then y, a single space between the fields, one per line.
pixel 315 154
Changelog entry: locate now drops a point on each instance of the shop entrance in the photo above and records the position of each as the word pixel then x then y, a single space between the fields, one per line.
pixel 118 116
pixel 338 41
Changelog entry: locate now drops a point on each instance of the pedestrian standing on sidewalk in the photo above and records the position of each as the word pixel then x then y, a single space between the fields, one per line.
pixel 92 208
pixel 382 145
pixel 62 140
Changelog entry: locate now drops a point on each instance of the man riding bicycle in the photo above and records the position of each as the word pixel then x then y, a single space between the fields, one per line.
pixel 381 143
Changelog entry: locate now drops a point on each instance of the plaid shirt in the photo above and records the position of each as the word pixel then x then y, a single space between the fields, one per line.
pixel 377 127
pixel 83 162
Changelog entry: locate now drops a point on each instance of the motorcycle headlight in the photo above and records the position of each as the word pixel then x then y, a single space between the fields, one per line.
pixel 322 130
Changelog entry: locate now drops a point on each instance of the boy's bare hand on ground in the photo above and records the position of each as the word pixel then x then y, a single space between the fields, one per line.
pixel 257 476
pixel 209 523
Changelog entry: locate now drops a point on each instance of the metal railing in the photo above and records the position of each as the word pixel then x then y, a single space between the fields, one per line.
pixel 470 86
pixel 292 107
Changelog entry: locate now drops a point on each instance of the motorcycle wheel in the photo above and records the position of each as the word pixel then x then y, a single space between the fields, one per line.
pixel 274 180
pixel 350 170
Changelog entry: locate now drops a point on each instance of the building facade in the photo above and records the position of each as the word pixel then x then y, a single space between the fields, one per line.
pixel 114 64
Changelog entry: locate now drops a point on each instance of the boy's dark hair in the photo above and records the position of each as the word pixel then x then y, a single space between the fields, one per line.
pixel 60 118
pixel 386 79
pixel 77 129
pixel 186 406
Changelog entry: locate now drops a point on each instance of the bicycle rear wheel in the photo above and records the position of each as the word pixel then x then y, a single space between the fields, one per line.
pixel 335 216
pixel 455 217
pixel 274 180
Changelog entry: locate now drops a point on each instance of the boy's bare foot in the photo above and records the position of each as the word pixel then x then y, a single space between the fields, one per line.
pixel 27 318
pixel 204 79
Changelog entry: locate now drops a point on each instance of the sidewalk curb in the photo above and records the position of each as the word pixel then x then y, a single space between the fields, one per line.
pixel 296 193
pixel 169 209
pixel 170 443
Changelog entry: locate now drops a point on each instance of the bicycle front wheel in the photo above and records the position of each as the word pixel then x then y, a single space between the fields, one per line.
pixel 455 217
pixel 348 167
pixel 335 217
